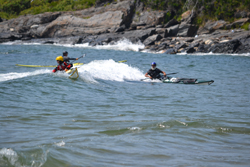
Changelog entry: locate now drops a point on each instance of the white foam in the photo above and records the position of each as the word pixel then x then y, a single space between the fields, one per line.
pixel 124 45
pixel 110 70
pixel 15 75
pixel 60 144
pixel 10 154
pixel 211 53
pixel 134 128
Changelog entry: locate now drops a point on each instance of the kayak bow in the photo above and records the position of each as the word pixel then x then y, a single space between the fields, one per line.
pixel 73 73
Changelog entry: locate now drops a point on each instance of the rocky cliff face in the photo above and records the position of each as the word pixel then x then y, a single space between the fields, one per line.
pixel 102 25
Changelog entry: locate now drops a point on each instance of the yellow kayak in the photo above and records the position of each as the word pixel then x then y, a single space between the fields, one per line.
pixel 22 65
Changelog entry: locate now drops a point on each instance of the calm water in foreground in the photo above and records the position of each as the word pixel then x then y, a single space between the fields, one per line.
pixel 108 117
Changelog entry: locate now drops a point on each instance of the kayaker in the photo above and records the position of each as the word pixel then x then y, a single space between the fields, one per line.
pixel 154 73
pixel 62 65
pixel 66 58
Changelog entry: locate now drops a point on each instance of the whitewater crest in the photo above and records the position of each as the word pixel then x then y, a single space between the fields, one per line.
pixel 110 70
pixel 15 75
pixel 10 155
pixel 123 45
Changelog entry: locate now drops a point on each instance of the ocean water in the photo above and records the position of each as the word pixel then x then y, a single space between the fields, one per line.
pixel 108 117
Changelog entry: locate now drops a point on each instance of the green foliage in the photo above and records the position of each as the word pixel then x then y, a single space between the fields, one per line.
pixel 245 26
pixel 14 8
pixel 211 9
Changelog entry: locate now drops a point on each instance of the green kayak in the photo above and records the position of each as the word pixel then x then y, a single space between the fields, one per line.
pixel 187 81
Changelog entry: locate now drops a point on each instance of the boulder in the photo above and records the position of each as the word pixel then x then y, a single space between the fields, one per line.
pixel 212 26
pixel 183 45
pixel 245 44
pixel 190 50
pixel 67 25
pixel 187 30
pixel 170 51
pixel 162 31
pixel 151 40
pixel 226 47
pixel 188 16
pixel 239 22
pixel 173 30
pixel 203 48
pixel 5 37
pixel 171 23
pixel 70 40
pixel 149 18
pixel 139 35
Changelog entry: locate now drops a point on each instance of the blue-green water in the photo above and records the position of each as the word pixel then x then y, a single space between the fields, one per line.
pixel 108 117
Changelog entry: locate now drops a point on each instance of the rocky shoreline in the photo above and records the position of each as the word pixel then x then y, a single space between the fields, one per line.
pixel 103 25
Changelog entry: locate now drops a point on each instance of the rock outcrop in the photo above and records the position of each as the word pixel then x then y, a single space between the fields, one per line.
pixel 107 23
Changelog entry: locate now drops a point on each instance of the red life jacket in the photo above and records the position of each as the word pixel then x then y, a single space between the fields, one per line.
pixel 62 67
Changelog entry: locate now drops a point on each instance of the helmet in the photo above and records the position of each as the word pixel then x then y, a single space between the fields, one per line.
pixel 65 52
pixel 153 63
pixel 59 58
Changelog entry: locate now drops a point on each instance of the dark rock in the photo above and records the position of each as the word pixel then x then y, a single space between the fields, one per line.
pixel 151 40
pixel 188 16
pixel 89 39
pixel 187 30
pixel 139 35
pixel 226 47
pixel 171 23
pixel 239 23
pixel 190 50
pixel 26 38
pixel 70 40
pixel 49 42
pixel 245 44
pixel 203 48
pixel 172 31
pixel 212 26
pixel 5 37
pixel 170 51
pixel 183 45
pixel 133 27
pixel 162 31
pixel 190 40
pixel 195 45
pixel 150 18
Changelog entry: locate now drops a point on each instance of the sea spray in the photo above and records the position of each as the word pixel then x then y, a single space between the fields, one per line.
pixel 111 70
pixel 123 45
pixel 15 75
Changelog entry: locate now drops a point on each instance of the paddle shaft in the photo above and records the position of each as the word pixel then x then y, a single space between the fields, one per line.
pixel 79 58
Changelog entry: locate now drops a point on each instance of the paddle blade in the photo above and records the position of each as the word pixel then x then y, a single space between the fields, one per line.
pixel 122 61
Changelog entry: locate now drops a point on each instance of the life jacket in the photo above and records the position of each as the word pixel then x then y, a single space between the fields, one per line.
pixel 62 67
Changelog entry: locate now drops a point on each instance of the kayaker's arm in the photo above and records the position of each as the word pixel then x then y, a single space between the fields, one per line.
pixel 164 74
pixel 55 69
pixel 72 58
pixel 146 75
